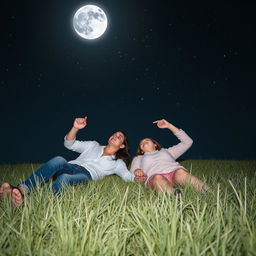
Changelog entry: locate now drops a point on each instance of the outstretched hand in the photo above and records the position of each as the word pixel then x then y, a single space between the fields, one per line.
pixel 80 123
pixel 162 123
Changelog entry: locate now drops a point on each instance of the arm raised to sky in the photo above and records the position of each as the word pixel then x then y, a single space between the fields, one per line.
pixel 185 141
pixel 78 124
pixel 70 141
pixel 165 124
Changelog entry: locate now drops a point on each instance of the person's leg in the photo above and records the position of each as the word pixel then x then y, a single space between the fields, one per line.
pixel 69 174
pixel 66 179
pixel 160 184
pixel 182 178
pixel 45 172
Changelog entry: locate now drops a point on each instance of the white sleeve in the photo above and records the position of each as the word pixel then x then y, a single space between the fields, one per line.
pixel 79 146
pixel 123 172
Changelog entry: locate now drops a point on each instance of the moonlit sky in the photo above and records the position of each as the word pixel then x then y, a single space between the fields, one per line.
pixel 189 63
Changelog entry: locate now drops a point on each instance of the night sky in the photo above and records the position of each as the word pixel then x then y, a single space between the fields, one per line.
pixel 189 63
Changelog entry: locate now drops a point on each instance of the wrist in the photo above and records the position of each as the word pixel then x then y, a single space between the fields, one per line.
pixel 75 129
pixel 169 126
pixel 173 129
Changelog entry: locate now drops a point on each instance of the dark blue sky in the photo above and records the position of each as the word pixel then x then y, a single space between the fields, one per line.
pixel 189 63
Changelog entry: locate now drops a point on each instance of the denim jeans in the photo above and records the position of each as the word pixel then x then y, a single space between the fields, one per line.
pixel 66 175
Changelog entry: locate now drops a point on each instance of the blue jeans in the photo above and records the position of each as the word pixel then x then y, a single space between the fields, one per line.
pixel 66 175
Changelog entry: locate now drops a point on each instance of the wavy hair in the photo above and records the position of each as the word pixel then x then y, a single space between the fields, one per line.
pixel 124 153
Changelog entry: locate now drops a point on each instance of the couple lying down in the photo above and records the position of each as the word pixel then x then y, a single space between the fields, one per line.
pixel 154 165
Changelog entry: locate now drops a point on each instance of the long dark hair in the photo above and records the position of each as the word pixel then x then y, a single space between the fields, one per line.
pixel 139 151
pixel 124 153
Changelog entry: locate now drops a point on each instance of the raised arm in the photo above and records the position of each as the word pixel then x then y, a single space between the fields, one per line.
pixel 78 124
pixel 165 124
pixel 185 141
pixel 70 141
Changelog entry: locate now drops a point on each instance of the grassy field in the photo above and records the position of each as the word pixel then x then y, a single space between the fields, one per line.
pixel 112 217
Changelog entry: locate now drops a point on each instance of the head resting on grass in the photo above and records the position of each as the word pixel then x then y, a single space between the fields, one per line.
pixel 119 140
pixel 148 145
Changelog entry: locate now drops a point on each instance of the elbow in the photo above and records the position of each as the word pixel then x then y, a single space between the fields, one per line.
pixel 190 142
pixel 68 143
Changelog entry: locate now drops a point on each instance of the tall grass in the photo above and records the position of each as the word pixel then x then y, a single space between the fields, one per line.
pixel 112 217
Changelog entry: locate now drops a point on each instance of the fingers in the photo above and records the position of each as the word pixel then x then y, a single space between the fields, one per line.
pixel 159 121
pixel 81 120
pixel 143 177
pixel 139 173
pixel 140 179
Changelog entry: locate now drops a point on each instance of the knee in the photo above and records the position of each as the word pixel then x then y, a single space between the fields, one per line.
pixel 180 174
pixel 63 178
pixel 157 178
pixel 58 160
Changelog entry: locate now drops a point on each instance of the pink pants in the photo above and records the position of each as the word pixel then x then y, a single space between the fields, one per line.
pixel 168 176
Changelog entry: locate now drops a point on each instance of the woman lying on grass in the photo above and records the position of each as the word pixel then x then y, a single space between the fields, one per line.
pixel 158 164
pixel 94 162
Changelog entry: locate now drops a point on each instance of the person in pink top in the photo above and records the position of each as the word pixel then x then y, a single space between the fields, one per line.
pixel 157 166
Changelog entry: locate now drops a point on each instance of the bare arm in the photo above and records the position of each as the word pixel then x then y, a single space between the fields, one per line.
pixel 172 128
pixel 164 124
pixel 70 141
pixel 72 134
pixel 79 124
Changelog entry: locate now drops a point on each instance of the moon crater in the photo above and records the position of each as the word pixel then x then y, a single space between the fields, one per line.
pixel 90 22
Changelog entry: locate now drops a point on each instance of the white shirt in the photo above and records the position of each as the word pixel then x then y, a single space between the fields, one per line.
pixel 98 166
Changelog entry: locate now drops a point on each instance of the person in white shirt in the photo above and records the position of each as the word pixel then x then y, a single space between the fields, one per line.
pixel 94 162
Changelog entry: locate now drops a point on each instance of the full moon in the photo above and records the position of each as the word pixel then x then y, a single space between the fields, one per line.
pixel 90 22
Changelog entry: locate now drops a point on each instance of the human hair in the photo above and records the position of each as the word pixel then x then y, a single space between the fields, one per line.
pixel 123 153
pixel 158 146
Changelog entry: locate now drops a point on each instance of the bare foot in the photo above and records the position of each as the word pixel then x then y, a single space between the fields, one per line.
pixel 5 190
pixel 17 197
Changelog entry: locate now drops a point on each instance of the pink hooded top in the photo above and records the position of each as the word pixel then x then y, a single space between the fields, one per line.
pixel 163 160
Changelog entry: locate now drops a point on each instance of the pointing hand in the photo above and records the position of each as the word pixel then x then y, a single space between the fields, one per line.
pixel 162 123
pixel 80 123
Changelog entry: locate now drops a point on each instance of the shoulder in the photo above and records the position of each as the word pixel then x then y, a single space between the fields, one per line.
pixel 92 143
pixel 136 158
